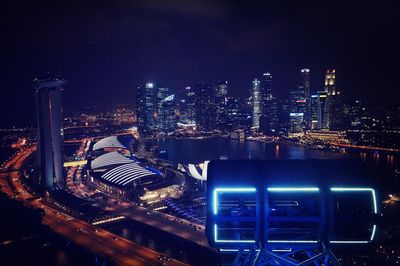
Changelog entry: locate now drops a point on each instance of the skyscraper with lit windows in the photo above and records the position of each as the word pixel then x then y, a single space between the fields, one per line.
pixel 205 107
pixel 162 93
pixel 145 108
pixel 188 106
pixel 305 84
pixel 315 109
pixel 330 89
pixel 140 108
pixel 221 93
pixel 297 110
pixel 167 115
pixel 322 96
pixel 256 103
pixel 269 108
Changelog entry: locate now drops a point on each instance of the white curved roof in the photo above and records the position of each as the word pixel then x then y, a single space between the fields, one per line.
pixel 124 174
pixel 110 158
pixel 108 142
pixel 197 172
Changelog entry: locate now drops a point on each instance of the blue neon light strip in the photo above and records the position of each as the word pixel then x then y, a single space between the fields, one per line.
pixel 282 250
pixel 346 189
pixel 373 232
pixel 234 250
pixel 357 189
pixel 349 242
pixel 293 189
pixel 292 241
pixel 228 250
pixel 230 190
pixel 228 241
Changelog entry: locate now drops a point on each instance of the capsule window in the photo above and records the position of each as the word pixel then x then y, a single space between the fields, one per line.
pixel 292 215
pixel 235 214
pixel 352 209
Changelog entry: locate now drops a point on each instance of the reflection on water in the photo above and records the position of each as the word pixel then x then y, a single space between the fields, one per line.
pixel 195 151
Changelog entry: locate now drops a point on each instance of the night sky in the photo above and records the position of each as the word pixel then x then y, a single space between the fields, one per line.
pixel 106 48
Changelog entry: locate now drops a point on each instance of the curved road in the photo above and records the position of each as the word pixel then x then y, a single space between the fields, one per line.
pixel 117 250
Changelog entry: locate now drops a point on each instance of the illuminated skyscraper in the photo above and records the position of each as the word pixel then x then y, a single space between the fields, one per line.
pixel 150 110
pixel 322 95
pixel 305 84
pixel 167 115
pixel 296 122
pixel 284 115
pixel 315 109
pixel 50 134
pixel 338 117
pixel 162 93
pixel 145 108
pixel 188 106
pixel 297 101
pixel 297 110
pixel 205 107
pixel 256 103
pixel 238 114
pixel 269 107
pixel 221 93
pixel 330 90
pixel 141 109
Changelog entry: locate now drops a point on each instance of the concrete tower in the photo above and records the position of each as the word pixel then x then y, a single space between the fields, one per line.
pixel 50 134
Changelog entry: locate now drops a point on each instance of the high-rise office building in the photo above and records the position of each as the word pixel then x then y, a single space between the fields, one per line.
pixel 315 109
pixel 167 115
pixel 296 122
pixel 188 106
pixel 305 84
pixel 297 101
pixel 145 108
pixel 256 103
pixel 232 112
pixel 221 93
pixel 297 109
pixel 338 117
pixel 330 89
pixel 205 107
pixel 50 134
pixel 141 109
pixel 274 122
pixel 238 116
pixel 322 96
pixel 284 115
pixel 150 108
pixel 269 106
pixel 162 93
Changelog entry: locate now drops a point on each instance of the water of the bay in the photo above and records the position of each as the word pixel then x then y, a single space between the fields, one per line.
pixel 382 165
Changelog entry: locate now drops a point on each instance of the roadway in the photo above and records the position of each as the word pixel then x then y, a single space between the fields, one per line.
pixel 168 223
pixel 100 137
pixel 363 147
pixel 117 250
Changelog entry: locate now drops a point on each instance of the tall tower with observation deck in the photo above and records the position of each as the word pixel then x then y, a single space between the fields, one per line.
pixel 50 133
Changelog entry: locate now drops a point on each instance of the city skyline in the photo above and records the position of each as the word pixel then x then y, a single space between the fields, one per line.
pixel 188 132
pixel 302 86
pixel 199 41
